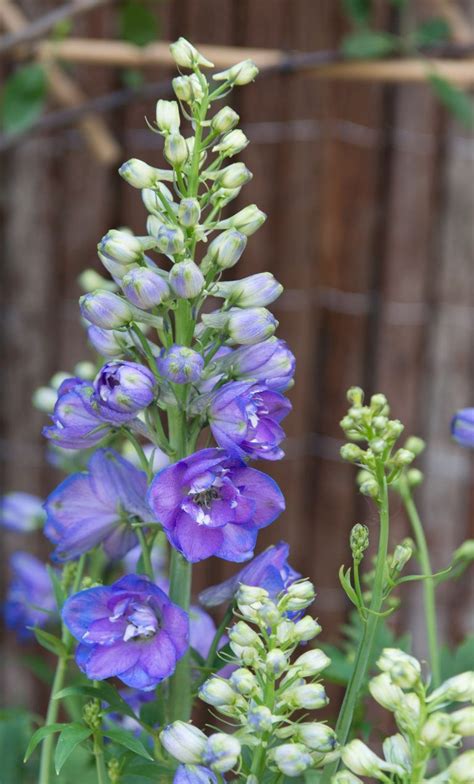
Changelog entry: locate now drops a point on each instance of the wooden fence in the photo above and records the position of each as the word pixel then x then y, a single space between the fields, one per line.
pixel 369 193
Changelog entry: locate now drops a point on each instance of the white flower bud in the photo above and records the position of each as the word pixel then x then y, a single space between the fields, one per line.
pixel 85 370
pixel 168 119
pixel 242 634
pixel 121 246
pixel 223 196
pixel 225 119
pixel 396 750
pixel 232 143
pixel 153 203
pixel 308 695
pixel 306 629
pixel 244 682
pixel 139 174
pixel 260 718
pixel 345 777
pixel 404 670
pixel 44 399
pixel 247 220
pixel 184 742
pixel 186 55
pixel 460 771
pixel 407 714
pixel 225 250
pixel 276 662
pixel 311 663
pixel 217 691
pixel 89 280
pixel 251 595
pixel 245 654
pixel 361 760
pixel 463 721
pixel 189 212
pixel 182 88
pixel 169 240
pixel 175 150
pixel 253 292
pixel 222 752
pixel 385 692
pixel 298 596
pixel 291 758
pixel 234 176
pixel 437 730
pixel 317 736
pixel 459 688
pixel 285 633
pixel 239 74
pixel 401 555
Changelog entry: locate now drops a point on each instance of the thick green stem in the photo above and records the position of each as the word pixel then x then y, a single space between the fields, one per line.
pixel 428 583
pixel 102 777
pixel 180 684
pixel 58 683
pixel 365 648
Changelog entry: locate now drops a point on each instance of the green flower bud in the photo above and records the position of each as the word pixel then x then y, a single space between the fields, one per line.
pixel 92 714
pixel 355 396
pixel 89 280
pixel 463 721
pixel 306 629
pixel 189 212
pixel 182 88
pixel 170 240
pixel 260 718
pixel 414 477
pixel 403 457
pixel 359 541
pixel 345 777
pixel 379 423
pixel 378 403
pixel 437 730
pixel 465 552
pixel 247 220
pixel 239 74
pixel 244 682
pixel 370 488
pixel 402 554
pixel 299 595
pixel 232 143
pixel 217 691
pixel 310 696
pixel 168 119
pixel 407 714
pixel 415 445
pixel 378 446
pixel 403 669
pixel 352 453
pixel 394 429
pixel 44 399
pixel 224 120
pixel 234 176
pixel 459 688
pixel 187 56
pixel 460 771
pixel 175 150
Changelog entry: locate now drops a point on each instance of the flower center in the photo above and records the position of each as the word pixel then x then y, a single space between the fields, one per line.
pixel 205 498
pixel 142 623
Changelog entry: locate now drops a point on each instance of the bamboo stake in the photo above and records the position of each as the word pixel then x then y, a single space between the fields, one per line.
pixel 68 94
pixel 118 53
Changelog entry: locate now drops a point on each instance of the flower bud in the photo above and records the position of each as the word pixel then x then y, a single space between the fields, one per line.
pixel 125 387
pixel 306 629
pixel 285 633
pixel 234 176
pixel 223 196
pixel 182 88
pixel 414 477
pixel 121 246
pixel 217 691
pixel 225 250
pixel 184 742
pixel 247 220
pixel 246 655
pixel 251 325
pixel 105 309
pixel 170 240
pixel 291 759
pixel 385 692
pixel 175 150
pixel 154 204
pixel 298 596
pixel 44 399
pixel 260 718
pixel 145 288
pixel 407 714
pixel 415 444
pixel 316 736
pixel 244 682
pixel 396 750
pixel 225 119
pixel 311 663
pixel 345 777
pixel 459 688
pixel 186 279
pixel 189 212
pixel 276 662
pixel 180 364
pixel 378 402
pixel 462 427
pixel 222 752
pixel 309 695
pixel 394 429
pixel 460 771
pixel 361 760
pixel 252 292
pixel 251 594
pixel 437 730
pixel 232 143
pixel 352 453
pixel 359 541
pixel 85 370
pixel 89 280
pixel 370 488
pixel 186 55
pixel 167 116
pixel 403 457
pixel 239 74
pixel 403 669
pixel 267 614
pixel 139 174
pixel 108 342
pixel 355 396
pixel 464 553
pixel 463 721
pixel 243 634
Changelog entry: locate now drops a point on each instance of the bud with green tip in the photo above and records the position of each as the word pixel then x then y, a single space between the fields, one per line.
pixel 186 279
pixel 311 663
pixel 170 240
pixel 403 669
pixel 232 143
pixel 184 742
pixel 239 74
pixel 370 488
pixel 234 176
pixel 187 56
pixel 291 759
pixel 224 120
pixel 298 596
pixel 152 200
pixel 222 752
pixel 414 477
pixel 175 150
pixel 463 721
pixel 402 458
pixel 139 174
pixel 145 288
pixel 253 292
pixel 222 196
pixel 316 736
pixel 244 682
pixel 247 220
pixel 189 212
pixel 394 429
pixel 345 777
pixel 437 730
pixel 225 250
pixel 378 403
pixel 359 541
pixel 355 396
pixel 352 453
pixel 105 309
pixel 415 444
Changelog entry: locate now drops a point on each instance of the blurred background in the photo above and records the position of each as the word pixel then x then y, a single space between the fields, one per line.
pixel 368 185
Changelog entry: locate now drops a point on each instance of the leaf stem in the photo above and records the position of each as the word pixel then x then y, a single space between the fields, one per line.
pixel 102 777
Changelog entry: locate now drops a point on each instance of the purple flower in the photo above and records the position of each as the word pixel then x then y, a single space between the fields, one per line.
pixel 202 630
pixel 124 388
pixel 462 427
pixel 212 504
pixel 194 774
pixel 270 363
pixel 269 570
pixel 144 287
pixel 30 598
pixel 76 423
pixel 21 512
pixel 244 418
pixel 97 506
pixel 129 629
pixel 180 364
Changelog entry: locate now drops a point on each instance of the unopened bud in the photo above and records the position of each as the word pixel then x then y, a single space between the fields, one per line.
pixel 186 279
pixel 234 176
pixel 385 692
pixel 44 399
pixel 139 174
pixel 370 488
pixel 291 759
pixel 459 688
pixel 352 453
pixel 89 280
pixel 460 771
pixel 378 403
pixel 225 250
pixel 355 396
pixel 186 55
pixel 361 760
pixel 317 736
pixel 239 74
pixel 232 143
pixel 222 752
pixel 298 596
pixel 415 445
pixel 167 116
pixel 175 150
pixel 169 240
pixel 253 292
pixel 276 662
pixel 402 554
pixel 310 696
pixel 105 309
pixel 403 457
pixel 145 288
pixel 463 721
pixel 403 669
pixel 247 220
pixel 260 718
pixel 243 634
pixel 189 212
pixel 184 742
pixel 414 477
pixel 394 429
pixel 396 750
pixel 307 629
pixel 121 246
pixel 437 730
pixel 225 119
pixel 311 663
pixel 217 691
pixel 359 541
pixel 244 682
pixel 251 325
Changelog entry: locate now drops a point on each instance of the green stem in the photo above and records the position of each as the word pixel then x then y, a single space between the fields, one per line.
pixel 259 758
pixel 366 644
pixel 429 590
pixel 147 564
pixel 218 635
pixel 58 683
pixel 102 777
pixel 139 450
pixel 180 683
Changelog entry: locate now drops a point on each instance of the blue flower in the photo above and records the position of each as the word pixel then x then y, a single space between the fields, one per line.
pixel 180 364
pixel 270 363
pixel 462 427
pixel 21 512
pixel 269 570
pixel 30 599
pixel 123 388
pixel 129 630
pixel 76 423
pixel 96 507
pixel 212 504
pixel 194 774
pixel 244 419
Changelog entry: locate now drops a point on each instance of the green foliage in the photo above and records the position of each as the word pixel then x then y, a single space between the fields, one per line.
pixel 457 660
pixel 358 10
pixel 128 741
pixel 103 692
pixel 369 44
pixel 40 735
pixel 23 98
pixel 433 31
pixel 70 737
pixel 15 731
pixel 138 24
pixel 50 642
pixel 454 99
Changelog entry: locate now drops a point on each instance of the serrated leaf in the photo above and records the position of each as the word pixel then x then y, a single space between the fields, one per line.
pixel 433 31
pixel 39 735
pixel 358 10
pixel 103 691
pixel 128 741
pixel 369 44
pixel 137 23
pixel 23 98
pixel 458 102
pixel 50 642
pixel 70 737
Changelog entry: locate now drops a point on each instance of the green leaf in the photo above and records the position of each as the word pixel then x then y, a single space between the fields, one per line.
pixel 103 691
pixel 433 31
pixel 358 10
pixel 23 98
pixel 40 734
pixel 50 642
pixel 59 593
pixel 369 44
pixel 40 668
pixel 454 99
pixel 123 738
pixel 137 23
pixel 70 737
pixel 457 660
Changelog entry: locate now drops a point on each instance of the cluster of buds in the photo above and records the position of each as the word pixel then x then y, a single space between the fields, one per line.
pixel 426 723
pixel 269 684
